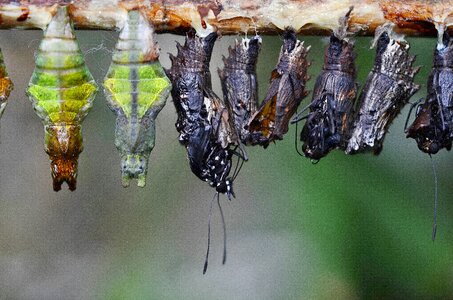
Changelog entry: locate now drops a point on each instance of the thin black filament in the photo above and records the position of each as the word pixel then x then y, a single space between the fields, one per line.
pixel 436 191
pixel 205 268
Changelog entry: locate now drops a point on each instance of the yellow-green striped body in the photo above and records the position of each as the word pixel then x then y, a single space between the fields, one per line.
pixel 136 89
pixel 62 91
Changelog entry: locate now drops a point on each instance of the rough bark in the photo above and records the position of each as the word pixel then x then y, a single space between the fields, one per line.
pixel 413 17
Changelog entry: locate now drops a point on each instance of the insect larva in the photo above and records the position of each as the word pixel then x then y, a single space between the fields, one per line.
pixel 388 88
pixel 239 82
pixel 136 89
pixel 204 121
pixel 331 109
pixel 433 125
pixel 286 91
pixel 61 90
pixel 6 85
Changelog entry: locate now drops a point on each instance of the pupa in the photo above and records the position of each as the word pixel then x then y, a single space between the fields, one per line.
pixel 432 128
pixel 388 88
pixel 61 90
pixel 204 121
pixel 239 82
pixel 285 93
pixel 136 89
pixel 331 111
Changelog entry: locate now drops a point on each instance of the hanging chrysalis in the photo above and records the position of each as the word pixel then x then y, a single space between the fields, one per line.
pixel 204 123
pixel 239 82
pixel 388 88
pixel 6 85
pixel 61 90
pixel 286 91
pixel 136 89
pixel 330 118
pixel 433 125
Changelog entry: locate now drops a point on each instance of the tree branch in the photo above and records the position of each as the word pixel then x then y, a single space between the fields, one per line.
pixel 413 17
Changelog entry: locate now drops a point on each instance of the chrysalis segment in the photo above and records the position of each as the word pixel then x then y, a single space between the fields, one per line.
pixel 433 125
pixel 204 123
pixel 62 91
pixel 388 88
pixel 239 82
pixel 330 118
pixel 286 91
pixel 6 85
pixel 136 89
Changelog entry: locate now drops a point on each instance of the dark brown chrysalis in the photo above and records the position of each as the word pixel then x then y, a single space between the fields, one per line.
pixel 286 91
pixel 389 86
pixel 329 121
pixel 433 125
pixel 239 82
pixel 204 122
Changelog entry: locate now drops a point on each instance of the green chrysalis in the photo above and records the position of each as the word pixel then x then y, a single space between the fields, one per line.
pixel 136 89
pixel 62 91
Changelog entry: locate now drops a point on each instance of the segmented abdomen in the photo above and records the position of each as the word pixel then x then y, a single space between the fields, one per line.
pixel 203 120
pixel 136 90
pixel 433 125
pixel 239 82
pixel 285 93
pixel 61 90
pixel 388 88
pixel 331 110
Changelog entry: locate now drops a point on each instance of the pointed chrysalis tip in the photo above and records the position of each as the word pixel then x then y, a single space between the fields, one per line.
pixel 64 170
pixel 134 166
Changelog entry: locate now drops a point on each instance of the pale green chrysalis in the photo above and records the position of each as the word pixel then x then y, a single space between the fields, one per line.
pixel 136 90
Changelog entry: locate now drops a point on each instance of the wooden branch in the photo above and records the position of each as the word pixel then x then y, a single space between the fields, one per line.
pixel 413 17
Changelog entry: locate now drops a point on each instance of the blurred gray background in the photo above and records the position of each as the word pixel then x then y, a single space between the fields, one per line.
pixel 347 228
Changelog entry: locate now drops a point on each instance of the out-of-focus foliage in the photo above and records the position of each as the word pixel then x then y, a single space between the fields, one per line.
pixel 348 227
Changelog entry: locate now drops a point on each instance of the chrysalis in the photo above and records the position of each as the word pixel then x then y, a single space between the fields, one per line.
pixel 239 82
pixel 286 91
pixel 433 125
pixel 6 85
pixel 204 122
pixel 61 90
pixel 136 89
pixel 388 88
pixel 329 121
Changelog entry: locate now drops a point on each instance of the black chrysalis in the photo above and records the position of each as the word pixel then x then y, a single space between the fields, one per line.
pixel 389 86
pixel 433 126
pixel 329 121
pixel 239 82
pixel 286 91
pixel 203 120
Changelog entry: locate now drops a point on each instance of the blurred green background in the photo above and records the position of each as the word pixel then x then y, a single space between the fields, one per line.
pixel 349 227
